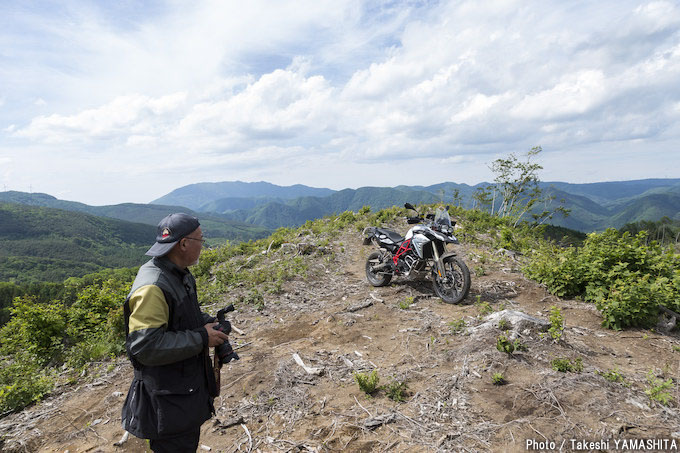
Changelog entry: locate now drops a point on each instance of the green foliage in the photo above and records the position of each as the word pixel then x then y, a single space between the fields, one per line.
pixel 45 244
pixel 556 324
pixel 368 382
pixel 516 191
pixel 405 304
pixel 458 326
pixel 484 308
pixel 503 324
pixel 37 329
pixel 614 375
pixel 636 302
pixel 22 382
pixel 97 311
pixel 504 345
pixel 567 365
pixel 658 389
pixel 254 298
pixel 42 292
pixel 498 379
pixel 86 325
pixel 665 231
pixel 625 277
pixel 396 391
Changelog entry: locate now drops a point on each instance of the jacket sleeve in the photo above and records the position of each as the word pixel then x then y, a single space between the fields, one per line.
pixel 207 318
pixel 148 340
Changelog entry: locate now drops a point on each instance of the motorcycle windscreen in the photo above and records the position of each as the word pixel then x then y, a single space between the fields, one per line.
pixel 442 217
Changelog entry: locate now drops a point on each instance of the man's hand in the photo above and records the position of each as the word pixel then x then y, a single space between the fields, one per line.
pixel 215 337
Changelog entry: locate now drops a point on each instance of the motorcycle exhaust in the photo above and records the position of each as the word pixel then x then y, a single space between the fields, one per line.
pixel 383 267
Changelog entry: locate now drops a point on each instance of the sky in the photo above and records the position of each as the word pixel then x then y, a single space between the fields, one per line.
pixel 125 101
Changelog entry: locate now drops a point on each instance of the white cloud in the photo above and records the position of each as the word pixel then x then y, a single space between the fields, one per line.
pixel 450 83
pixel 575 94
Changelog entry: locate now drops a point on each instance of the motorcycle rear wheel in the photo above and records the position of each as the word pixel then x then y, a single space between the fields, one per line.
pixel 376 278
pixel 457 286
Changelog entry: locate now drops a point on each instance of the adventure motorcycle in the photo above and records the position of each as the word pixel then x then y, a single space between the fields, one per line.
pixel 422 249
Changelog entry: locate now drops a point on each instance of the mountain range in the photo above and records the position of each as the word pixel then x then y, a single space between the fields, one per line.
pixel 43 237
pixel 593 206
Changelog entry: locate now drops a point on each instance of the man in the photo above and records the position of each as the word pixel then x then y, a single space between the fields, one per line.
pixel 167 342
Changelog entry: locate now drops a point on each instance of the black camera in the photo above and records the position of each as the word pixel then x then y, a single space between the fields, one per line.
pixel 225 353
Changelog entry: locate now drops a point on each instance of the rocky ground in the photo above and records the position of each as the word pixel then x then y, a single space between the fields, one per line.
pixel 339 325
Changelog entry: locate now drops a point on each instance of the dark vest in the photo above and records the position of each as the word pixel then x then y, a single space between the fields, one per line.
pixel 169 400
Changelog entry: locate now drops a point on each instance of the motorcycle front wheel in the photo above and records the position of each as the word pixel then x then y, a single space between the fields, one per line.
pixel 373 277
pixel 454 284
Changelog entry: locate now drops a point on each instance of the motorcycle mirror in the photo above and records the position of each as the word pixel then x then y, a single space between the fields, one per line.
pixel 409 206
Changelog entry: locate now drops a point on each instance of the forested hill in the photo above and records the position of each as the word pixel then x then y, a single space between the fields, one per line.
pixel 194 196
pixel 46 244
pixel 300 210
pixel 217 229
pixel 594 206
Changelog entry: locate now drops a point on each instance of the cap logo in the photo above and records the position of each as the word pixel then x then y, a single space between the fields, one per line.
pixel 165 233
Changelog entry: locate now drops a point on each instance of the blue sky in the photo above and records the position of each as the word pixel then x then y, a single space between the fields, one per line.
pixel 110 102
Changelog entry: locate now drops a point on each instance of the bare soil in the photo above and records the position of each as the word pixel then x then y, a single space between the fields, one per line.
pixel 268 403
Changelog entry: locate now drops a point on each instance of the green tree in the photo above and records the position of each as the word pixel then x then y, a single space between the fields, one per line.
pixel 481 198
pixel 517 189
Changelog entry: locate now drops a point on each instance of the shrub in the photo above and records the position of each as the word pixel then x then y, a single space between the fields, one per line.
pixel 498 379
pixel 567 365
pixel 368 383
pixel 457 326
pixel 504 345
pixel 396 391
pixel 659 390
pixel 634 302
pixel 405 304
pixel 484 308
pixel 22 382
pixel 614 375
pixel 35 328
pixel 624 276
pixel 556 323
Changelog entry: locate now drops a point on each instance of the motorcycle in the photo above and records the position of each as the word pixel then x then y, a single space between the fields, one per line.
pixel 423 249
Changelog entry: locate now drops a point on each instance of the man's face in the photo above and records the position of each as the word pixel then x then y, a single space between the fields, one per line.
pixel 193 243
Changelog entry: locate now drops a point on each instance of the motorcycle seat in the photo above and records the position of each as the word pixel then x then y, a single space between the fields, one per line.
pixel 392 235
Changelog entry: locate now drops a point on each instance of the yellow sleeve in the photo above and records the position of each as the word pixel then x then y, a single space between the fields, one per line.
pixel 148 309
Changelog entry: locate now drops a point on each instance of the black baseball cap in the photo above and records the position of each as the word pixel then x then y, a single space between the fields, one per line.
pixel 170 230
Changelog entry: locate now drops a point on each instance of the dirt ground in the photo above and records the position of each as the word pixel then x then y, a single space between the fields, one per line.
pixel 269 403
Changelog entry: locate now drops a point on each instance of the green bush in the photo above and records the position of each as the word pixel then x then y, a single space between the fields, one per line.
pixel 498 379
pixel 22 382
pixel 658 389
pixel 37 329
pixel 396 391
pixel 97 309
pixel 567 365
pixel 556 324
pixel 504 345
pixel 624 276
pixel 614 375
pixel 368 383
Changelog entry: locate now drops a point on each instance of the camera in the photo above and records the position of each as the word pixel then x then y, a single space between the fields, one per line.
pixel 225 353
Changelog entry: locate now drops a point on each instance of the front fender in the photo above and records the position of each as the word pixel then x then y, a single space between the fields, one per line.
pixel 447 255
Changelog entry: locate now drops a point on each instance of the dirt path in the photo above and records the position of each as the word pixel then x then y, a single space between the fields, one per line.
pixel 269 403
